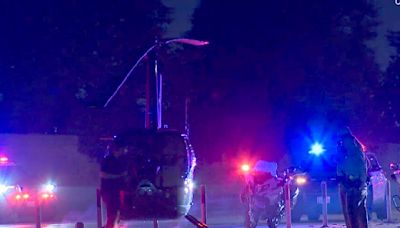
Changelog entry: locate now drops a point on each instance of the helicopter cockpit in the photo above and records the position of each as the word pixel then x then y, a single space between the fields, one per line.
pixel 160 174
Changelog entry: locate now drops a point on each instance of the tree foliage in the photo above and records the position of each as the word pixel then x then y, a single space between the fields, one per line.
pixel 282 64
pixel 271 67
pixel 389 90
pixel 63 59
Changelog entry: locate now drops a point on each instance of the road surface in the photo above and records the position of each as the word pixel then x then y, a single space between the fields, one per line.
pixel 184 224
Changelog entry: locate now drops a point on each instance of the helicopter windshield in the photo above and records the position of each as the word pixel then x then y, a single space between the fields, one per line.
pixel 160 158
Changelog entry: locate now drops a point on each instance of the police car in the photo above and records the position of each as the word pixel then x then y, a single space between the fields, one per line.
pixel 310 199
pixel 18 201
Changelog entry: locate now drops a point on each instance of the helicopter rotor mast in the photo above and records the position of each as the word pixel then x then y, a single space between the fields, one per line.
pixel 158 78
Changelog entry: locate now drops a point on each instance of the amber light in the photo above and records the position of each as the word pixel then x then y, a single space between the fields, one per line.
pixel 47 196
pixel 301 180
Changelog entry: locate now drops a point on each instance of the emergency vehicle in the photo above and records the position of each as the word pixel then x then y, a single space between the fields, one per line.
pixel 20 201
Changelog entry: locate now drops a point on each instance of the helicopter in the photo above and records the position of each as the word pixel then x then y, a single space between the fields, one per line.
pixel 160 161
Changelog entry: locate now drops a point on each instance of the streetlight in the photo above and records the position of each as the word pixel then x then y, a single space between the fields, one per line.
pixel 158 75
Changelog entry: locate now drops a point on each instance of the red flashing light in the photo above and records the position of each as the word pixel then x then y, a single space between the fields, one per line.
pixel 18 197
pixel 245 167
pixel 25 196
pixel 3 159
pixel 47 196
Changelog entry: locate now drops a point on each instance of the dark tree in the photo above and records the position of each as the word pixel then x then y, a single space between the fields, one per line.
pixel 61 60
pixel 387 99
pixel 273 66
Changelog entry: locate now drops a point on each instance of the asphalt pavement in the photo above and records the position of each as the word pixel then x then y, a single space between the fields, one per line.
pixel 184 224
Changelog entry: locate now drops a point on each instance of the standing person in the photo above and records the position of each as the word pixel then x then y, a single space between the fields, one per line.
pixel 112 175
pixel 352 175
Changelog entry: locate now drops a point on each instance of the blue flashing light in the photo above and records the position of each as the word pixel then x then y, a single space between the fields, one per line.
pixel 3 189
pixel 317 149
pixel 49 187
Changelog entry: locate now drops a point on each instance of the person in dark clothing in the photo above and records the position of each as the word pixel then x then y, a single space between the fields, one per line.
pixel 352 176
pixel 112 174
